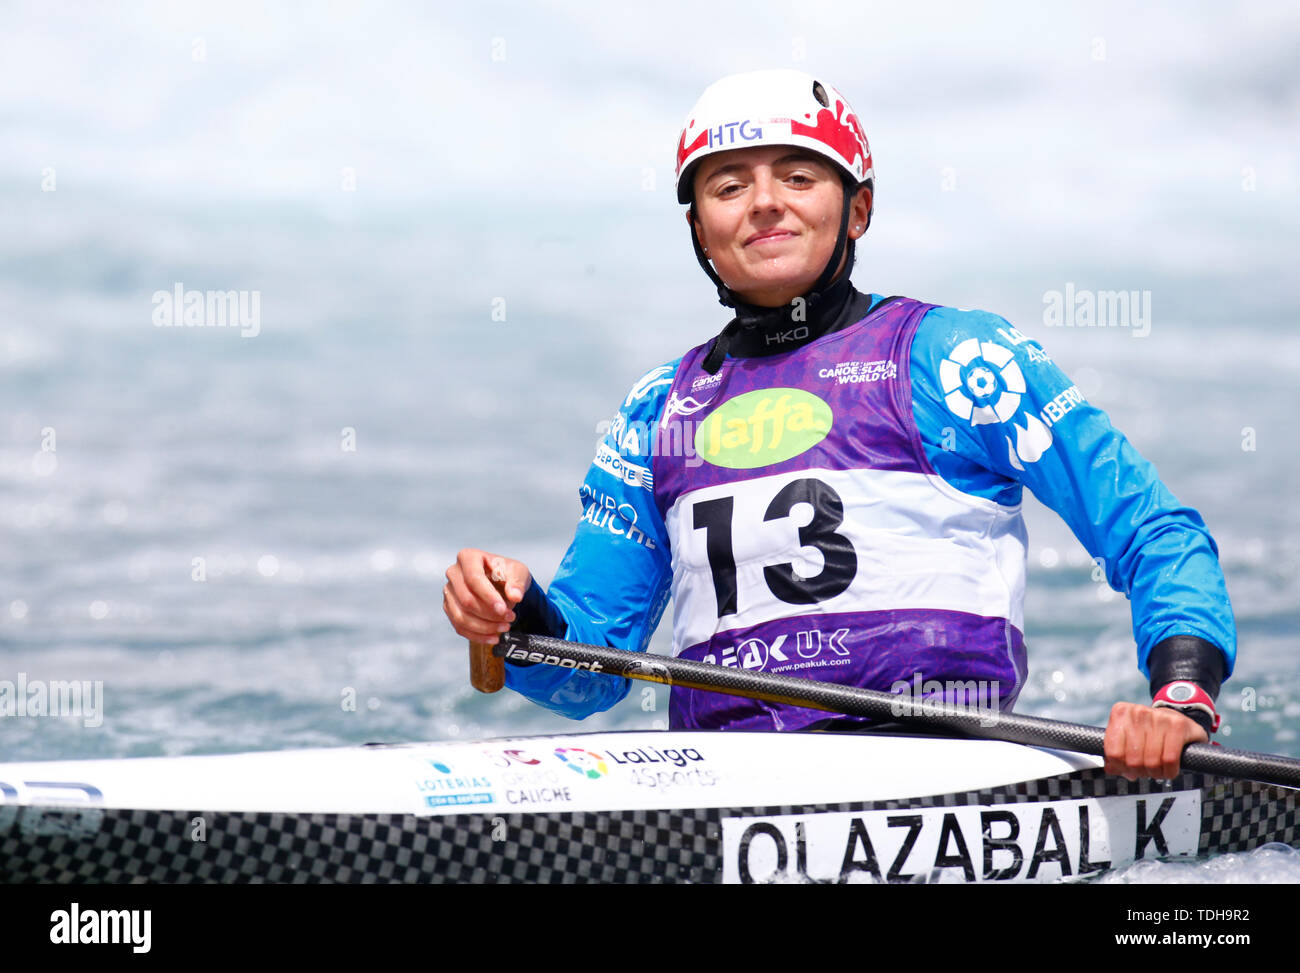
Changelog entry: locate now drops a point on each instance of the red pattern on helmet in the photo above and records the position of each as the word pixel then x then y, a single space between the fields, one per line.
pixel 684 150
pixel 845 135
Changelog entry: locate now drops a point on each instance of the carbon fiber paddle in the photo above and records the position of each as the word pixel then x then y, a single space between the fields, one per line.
pixel 1010 727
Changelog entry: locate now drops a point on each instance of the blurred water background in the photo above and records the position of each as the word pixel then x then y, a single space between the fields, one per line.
pixel 461 227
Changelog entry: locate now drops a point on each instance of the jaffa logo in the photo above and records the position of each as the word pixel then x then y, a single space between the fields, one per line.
pixel 763 427
pixel 586 763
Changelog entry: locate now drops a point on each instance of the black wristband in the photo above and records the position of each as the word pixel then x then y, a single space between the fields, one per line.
pixel 1186 657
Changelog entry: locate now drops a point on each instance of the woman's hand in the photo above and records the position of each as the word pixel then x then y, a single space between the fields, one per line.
pixel 475 608
pixel 1145 741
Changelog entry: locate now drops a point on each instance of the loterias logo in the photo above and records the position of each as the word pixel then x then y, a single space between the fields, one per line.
pixel 453 789
pixel 763 427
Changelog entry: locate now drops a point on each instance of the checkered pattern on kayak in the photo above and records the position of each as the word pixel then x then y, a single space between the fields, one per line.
pixel 63 845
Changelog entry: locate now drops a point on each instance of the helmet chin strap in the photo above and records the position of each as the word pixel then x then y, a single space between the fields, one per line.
pixel 750 315
pixel 725 297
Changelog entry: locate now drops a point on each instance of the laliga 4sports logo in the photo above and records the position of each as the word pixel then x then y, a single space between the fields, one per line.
pixel 585 763
pixel 983 384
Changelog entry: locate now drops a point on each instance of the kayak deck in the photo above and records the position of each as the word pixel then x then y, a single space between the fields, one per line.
pixel 620 808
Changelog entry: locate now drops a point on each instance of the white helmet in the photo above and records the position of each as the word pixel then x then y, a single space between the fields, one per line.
pixel 782 107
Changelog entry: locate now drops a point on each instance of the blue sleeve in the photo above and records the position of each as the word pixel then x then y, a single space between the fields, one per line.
pixel 614 582
pixel 995 413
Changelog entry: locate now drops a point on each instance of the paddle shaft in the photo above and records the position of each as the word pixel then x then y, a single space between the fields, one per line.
pixel 852 701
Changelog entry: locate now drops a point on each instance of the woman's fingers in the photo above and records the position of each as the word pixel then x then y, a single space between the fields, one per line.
pixel 513 576
pixel 1144 741
pixel 475 607
pixel 467 627
pixel 476 572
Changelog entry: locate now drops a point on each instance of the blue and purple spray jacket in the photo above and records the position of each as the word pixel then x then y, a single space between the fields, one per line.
pixel 850 511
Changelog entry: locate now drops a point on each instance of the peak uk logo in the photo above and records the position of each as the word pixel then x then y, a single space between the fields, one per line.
pixel 983 384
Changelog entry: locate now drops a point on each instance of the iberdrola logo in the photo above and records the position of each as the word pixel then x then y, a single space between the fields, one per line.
pixel 763 427
pixel 982 383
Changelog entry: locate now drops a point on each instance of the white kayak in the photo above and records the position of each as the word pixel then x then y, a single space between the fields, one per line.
pixel 699 807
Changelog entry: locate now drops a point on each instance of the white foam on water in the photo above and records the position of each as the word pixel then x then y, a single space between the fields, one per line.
pixel 1269 864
